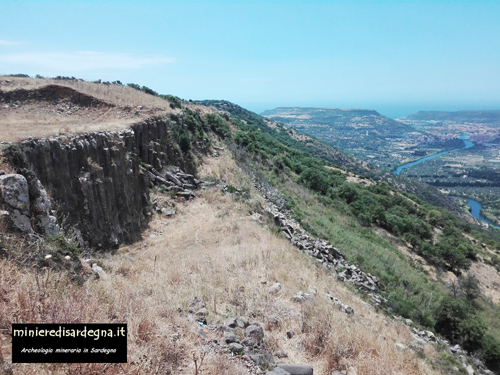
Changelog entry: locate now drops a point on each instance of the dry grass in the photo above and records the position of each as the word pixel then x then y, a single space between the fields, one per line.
pixel 113 94
pixel 46 118
pixel 211 250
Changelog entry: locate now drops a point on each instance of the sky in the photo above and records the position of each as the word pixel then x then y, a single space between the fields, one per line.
pixel 397 57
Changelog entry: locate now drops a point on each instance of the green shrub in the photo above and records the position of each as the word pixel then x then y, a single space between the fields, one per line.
pixel 231 189
pixel 491 352
pixel 218 125
pixel 175 102
pixel 184 142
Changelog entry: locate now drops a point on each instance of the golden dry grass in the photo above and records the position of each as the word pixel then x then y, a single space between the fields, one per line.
pixel 210 249
pixel 42 119
pixel 114 94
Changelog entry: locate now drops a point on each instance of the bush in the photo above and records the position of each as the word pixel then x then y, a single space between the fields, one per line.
pixel 175 102
pixel 218 125
pixel 314 179
pixel 491 352
pixel 145 89
pixel 450 314
pixel 458 322
pixel 184 142
pixel 469 286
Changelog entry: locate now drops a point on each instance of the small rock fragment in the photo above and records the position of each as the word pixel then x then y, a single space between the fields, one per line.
pixel 276 288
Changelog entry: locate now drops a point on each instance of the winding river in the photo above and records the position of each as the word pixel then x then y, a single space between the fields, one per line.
pixel 475 211
pixel 475 206
pixel 467 144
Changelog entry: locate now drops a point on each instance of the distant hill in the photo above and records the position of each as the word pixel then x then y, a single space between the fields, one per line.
pixel 360 119
pixel 364 133
pixel 483 117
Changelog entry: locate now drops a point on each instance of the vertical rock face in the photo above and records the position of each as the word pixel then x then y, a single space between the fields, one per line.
pixel 96 182
pixel 93 181
pixel 156 145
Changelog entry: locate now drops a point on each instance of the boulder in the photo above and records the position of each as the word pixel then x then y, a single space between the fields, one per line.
pixel 276 288
pixel 20 221
pixel 231 323
pixel 255 333
pixel 278 371
pixel 264 360
pixel 15 193
pixel 173 178
pixel 297 369
pixel 230 337
pixel 301 297
pixel 399 346
pixel 348 310
pixel 99 271
pixel 242 322
pixel 236 348
pixel 48 225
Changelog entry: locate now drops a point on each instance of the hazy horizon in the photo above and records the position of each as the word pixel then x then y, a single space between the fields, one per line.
pixel 388 110
pixel 396 57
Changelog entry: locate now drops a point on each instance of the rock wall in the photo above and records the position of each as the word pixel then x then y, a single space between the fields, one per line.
pixel 320 249
pixel 96 183
pixel 155 142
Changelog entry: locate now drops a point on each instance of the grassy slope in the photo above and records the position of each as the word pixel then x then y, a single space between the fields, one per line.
pixel 212 250
pixel 407 285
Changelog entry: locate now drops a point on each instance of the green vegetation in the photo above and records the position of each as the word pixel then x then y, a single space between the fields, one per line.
pixel 218 125
pixel 175 102
pixel 329 205
pixel 145 89
pixel 193 128
pixel 184 141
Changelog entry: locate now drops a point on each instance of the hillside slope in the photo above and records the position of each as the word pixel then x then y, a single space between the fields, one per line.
pixel 343 255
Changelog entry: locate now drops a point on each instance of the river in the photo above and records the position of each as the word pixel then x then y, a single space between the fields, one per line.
pixel 474 205
pixel 476 212
pixel 467 144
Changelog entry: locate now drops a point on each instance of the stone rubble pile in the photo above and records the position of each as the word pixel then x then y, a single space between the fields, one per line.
pixel 183 184
pixel 323 251
pixel 332 258
pixel 244 339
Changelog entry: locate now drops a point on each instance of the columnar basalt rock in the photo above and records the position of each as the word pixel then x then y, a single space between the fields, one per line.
pixel 97 184
pixel 156 144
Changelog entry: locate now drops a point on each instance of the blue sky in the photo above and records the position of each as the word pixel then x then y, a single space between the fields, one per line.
pixel 394 56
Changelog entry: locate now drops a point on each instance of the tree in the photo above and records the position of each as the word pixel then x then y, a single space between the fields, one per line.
pixel 348 192
pixel 314 179
pixel 472 332
pixel 469 286
pixel 450 314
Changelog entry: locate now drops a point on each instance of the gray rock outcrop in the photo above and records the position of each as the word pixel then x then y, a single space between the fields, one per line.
pixel 25 203
pixel 96 182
